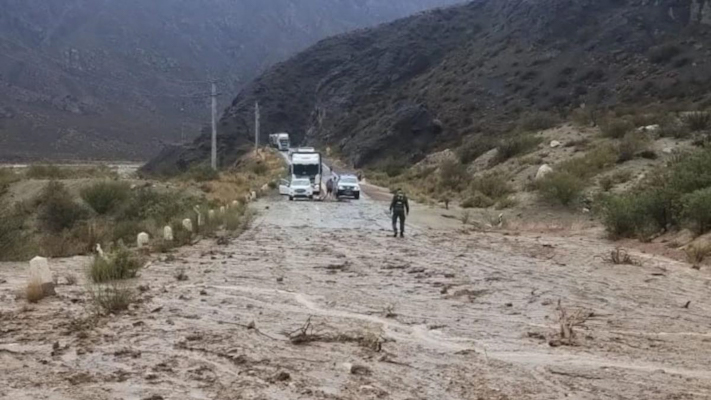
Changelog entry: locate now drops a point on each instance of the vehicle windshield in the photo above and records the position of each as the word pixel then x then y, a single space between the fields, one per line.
pixel 348 179
pixel 300 182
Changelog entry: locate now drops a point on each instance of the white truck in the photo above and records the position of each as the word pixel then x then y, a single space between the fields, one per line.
pixel 308 165
pixel 279 141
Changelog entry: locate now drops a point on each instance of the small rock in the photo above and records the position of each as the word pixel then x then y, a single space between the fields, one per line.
pixel 555 144
pixel 280 279
pixel 360 370
pixel 282 376
pixel 509 304
pixel 203 292
pixel 543 171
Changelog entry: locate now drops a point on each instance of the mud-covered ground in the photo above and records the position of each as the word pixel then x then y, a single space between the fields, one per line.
pixel 317 301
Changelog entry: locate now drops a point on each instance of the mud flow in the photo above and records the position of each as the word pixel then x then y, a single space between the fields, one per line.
pixel 318 301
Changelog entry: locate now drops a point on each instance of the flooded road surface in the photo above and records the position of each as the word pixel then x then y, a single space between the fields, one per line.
pixel 317 301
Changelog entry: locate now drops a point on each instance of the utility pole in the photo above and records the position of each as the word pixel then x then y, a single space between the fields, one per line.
pixel 214 126
pixel 256 126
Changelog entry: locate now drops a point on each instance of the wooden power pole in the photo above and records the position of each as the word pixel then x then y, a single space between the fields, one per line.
pixel 256 126
pixel 214 126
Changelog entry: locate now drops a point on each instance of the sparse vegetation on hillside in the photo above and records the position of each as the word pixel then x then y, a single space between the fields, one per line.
pixel 516 145
pixel 677 197
pixel 106 197
pixel 122 264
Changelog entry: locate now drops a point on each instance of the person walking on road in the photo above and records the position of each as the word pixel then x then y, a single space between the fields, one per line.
pixel 329 188
pixel 399 208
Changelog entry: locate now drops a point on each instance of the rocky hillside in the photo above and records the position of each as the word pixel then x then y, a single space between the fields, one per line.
pixel 402 90
pixel 113 79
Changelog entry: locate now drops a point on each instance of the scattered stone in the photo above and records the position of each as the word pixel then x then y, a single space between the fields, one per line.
pixel 188 224
pixel 555 144
pixel 282 376
pixel 168 234
pixel 142 240
pixel 280 279
pixel 39 273
pixel 509 304
pixel 203 292
pixel 357 369
pixel 544 170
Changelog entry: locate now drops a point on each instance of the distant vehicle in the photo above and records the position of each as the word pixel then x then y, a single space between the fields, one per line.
pixel 305 150
pixel 347 186
pixel 308 165
pixel 297 188
pixel 279 141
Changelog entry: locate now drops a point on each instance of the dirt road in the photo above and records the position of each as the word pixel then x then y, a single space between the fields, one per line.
pixel 317 301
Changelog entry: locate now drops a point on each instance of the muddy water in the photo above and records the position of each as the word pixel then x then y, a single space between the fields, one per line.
pixel 441 314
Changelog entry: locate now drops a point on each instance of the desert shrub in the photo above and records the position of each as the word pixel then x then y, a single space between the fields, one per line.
pixel 126 230
pixel 161 207
pixel 181 236
pixel 515 146
pixel 236 220
pixel 607 183
pixel 616 128
pixel 61 244
pixel 112 298
pixel 537 121
pixel 623 176
pixel 7 177
pixel 696 254
pixel 259 168
pixel 15 239
pixel 45 171
pixel 592 163
pixel 202 173
pixel 674 129
pixel 58 210
pixel 473 149
pixel 34 291
pixel 272 185
pixel 106 197
pixel 561 186
pixel 631 144
pixel 453 175
pixel 697 210
pixel 492 185
pixel 697 121
pixel 394 168
pixel 664 53
pixel 639 214
pixel 506 202
pixel 122 264
pixel 477 200
pixel 690 172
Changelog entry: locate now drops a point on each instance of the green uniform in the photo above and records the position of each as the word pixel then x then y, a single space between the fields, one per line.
pixel 400 208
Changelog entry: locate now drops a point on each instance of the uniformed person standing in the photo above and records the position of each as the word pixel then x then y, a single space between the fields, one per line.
pixel 399 208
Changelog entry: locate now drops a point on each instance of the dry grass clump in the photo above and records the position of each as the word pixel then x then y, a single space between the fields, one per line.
pixel 112 298
pixel 122 264
pixel 34 291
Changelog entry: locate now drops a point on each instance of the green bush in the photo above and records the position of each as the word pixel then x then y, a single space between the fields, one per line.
pixel 477 200
pixel 58 210
pixel 127 230
pixel 639 214
pixel 112 298
pixel 202 173
pixel 616 128
pixel 697 121
pixel 453 175
pixel 492 185
pixel 473 149
pixel 106 197
pixel 591 164
pixel 16 242
pixel 697 210
pixel 122 264
pixel 161 207
pixel 631 144
pixel 515 146
pixel 664 53
pixel 45 171
pixel 537 121
pixel 561 186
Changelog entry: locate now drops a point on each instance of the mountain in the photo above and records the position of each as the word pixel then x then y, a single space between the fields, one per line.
pixel 116 78
pixel 420 84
